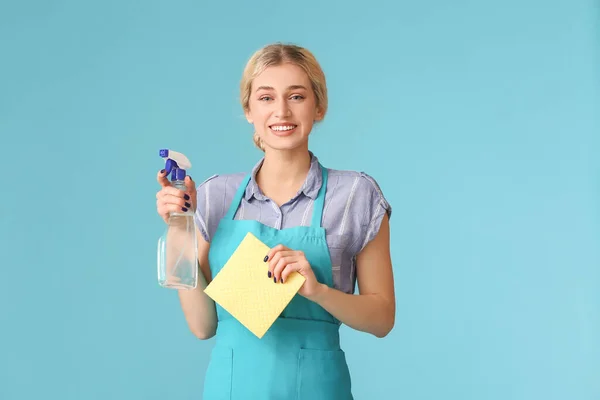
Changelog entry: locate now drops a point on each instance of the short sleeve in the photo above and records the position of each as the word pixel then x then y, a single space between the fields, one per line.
pixel 375 206
pixel 213 197
pixel 202 214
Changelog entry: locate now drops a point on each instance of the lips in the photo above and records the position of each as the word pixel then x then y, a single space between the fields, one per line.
pixel 283 129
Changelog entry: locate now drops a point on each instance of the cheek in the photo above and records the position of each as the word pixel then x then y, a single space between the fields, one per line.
pixel 258 116
pixel 308 126
pixel 307 112
pixel 308 117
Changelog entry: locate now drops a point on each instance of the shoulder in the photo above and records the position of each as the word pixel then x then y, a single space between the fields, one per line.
pixel 359 187
pixel 346 177
pixel 355 206
pixel 220 183
pixel 213 196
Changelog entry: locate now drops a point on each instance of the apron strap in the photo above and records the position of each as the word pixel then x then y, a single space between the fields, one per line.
pixel 235 203
pixel 319 201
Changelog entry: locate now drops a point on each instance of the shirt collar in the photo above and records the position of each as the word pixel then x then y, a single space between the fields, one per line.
pixel 310 187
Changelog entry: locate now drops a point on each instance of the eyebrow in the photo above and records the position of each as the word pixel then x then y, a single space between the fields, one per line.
pixel 292 87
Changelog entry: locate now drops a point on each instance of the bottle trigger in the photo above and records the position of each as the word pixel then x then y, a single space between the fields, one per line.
pixel 170 165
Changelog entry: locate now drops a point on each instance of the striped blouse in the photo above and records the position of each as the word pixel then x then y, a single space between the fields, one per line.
pixel 353 210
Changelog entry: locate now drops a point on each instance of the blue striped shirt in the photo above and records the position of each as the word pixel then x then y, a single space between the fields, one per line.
pixel 353 210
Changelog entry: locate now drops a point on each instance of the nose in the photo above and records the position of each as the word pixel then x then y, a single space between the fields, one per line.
pixel 283 109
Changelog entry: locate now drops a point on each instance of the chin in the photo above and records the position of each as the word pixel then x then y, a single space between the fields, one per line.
pixel 285 146
pixel 285 142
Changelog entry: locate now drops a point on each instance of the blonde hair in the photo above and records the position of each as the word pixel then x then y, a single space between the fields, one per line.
pixel 278 54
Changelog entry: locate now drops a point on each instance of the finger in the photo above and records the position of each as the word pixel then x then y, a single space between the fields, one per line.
pixel 162 178
pixel 170 190
pixel 281 264
pixel 164 209
pixel 190 184
pixel 289 268
pixel 275 259
pixel 175 199
pixel 274 250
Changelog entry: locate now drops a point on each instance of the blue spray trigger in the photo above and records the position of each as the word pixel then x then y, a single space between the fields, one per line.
pixel 170 165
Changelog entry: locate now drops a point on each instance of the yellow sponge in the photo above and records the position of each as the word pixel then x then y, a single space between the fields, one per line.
pixel 243 288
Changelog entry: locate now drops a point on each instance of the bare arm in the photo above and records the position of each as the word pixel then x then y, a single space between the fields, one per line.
pixel 374 309
pixel 198 308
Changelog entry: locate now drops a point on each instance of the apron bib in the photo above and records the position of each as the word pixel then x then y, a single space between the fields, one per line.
pixel 299 358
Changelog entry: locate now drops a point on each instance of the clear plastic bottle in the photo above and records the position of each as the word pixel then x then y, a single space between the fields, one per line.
pixel 178 246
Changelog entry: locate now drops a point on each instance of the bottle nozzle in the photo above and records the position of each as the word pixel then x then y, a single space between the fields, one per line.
pixel 176 163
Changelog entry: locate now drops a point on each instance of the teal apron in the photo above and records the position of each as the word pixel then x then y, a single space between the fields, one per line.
pixel 299 358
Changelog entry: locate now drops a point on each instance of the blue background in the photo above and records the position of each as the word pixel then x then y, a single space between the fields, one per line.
pixel 480 121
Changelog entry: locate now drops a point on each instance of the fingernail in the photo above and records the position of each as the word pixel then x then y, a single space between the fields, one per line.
pixel 266 258
pixel 162 171
pixel 275 279
pixel 281 280
pixel 186 197
pixel 188 205
pixel 184 209
pixel 269 273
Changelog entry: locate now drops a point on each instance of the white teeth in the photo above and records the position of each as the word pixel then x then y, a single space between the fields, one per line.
pixel 283 128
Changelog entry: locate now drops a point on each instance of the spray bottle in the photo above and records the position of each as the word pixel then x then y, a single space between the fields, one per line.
pixel 178 246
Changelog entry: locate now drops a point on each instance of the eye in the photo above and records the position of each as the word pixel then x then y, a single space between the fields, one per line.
pixel 297 97
pixel 265 98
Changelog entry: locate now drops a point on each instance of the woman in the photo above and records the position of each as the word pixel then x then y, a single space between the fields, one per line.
pixel 330 226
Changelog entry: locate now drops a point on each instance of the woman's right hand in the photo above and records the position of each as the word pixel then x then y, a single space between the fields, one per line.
pixel 170 199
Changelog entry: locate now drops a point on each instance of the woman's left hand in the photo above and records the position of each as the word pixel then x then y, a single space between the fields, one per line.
pixel 283 261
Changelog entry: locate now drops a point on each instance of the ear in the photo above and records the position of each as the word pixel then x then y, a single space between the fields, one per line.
pixel 319 114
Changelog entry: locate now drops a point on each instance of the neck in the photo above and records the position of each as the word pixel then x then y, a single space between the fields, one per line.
pixel 284 169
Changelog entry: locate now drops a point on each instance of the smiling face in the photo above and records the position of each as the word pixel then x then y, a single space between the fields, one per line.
pixel 283 107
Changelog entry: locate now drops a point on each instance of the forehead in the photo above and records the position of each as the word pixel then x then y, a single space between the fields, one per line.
pixel 280 77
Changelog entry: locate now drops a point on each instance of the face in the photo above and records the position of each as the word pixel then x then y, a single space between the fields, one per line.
pixel 283 107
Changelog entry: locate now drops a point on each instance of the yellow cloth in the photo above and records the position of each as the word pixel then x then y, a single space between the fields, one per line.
pixel 243 288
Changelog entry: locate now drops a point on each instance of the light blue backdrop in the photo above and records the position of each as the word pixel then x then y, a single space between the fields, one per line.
pixel 479 120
